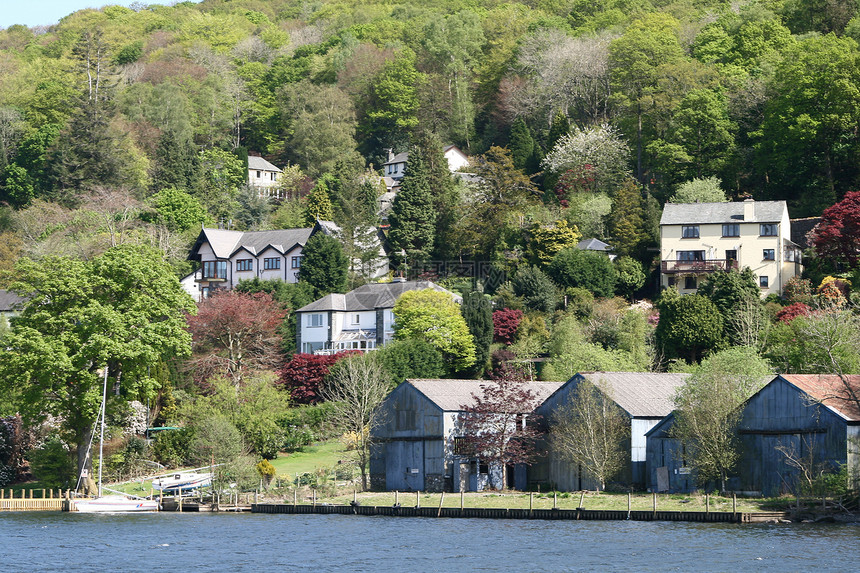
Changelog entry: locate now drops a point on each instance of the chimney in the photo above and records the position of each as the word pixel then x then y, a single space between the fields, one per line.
pixel 390 153
pixel 749 209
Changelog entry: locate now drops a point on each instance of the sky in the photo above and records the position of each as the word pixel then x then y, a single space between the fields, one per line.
pixel 47 12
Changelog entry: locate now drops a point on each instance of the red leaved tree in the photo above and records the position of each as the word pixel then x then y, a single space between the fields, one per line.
pixel 505 324
pixel 303 375
pixel 499 427
pixel 234 333
pixel 837 236
pixel 792 311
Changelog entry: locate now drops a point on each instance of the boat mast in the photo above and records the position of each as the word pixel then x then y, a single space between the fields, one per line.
pixel 102 429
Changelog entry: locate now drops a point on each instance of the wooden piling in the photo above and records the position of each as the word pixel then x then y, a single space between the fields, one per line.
pixel 441 500
pixel 418 500
pixel 555 500
pixel 707 503
pixel 395 497
pixel 655 503
pixel 581 498
pixel 462 495
pixel 734 502
pixel 531 502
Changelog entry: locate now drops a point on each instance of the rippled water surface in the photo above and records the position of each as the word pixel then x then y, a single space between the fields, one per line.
pixel 63 542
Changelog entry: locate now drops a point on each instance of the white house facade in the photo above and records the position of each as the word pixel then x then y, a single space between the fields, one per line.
pixel 261 173
pixel 226 256
pixel 697 239
pixel 394 168
pixel 362 319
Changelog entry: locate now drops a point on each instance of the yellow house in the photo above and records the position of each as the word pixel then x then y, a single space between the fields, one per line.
pixel 697 239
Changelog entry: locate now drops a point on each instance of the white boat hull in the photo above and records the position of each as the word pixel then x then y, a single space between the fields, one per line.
pixel 113 504
pixel 182 481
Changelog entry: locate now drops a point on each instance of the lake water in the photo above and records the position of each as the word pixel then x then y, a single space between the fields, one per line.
pixel 193 543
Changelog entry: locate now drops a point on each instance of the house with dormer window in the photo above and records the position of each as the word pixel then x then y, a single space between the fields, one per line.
pixel 697 239
pixel 228 256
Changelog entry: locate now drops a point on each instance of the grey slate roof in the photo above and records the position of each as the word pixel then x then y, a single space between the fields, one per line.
pixel 593 245
pixel 451 395
pixel 225 242
pixel 704 213
pixel 258 163
pixel 371 297
pixel 401 157
pixel 640 394
pixel 9 301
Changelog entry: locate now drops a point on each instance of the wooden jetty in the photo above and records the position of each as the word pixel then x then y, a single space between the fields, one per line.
pixel 543 514
pixel 33 500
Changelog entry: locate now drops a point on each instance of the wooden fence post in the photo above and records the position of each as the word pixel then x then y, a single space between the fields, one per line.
pixel 396 495
pixel 707 503
pixel 531 502
pixel 418 499
pixel 441 499
pixel 655 503
pixel 555 500
pixel 734 502
pixel 462 495
pixel 629 496
pixel 581 498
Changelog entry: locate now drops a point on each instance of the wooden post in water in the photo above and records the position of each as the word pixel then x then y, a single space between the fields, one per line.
pixel 418 499
pixel 531 502
pixel 555 500
pixel 441 499
pixel 655 503
pixel 581 498
pixel 629 496
pixel 707 503
pixel 462 496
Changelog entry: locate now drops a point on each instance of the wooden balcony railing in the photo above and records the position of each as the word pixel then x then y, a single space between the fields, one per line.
pixel 705 266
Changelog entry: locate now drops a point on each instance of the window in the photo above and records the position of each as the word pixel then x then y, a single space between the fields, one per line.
pixel 271 264
pixel 296 262
pixel 258 174
pixel 315 320
pixel 763 282
pixel 691 256
pixel 356 319
pixel 690 231
pixel 215 270
pixel 768 229
pixel 244 265
pixel 690 283
pixel 731 230
pixel 768 254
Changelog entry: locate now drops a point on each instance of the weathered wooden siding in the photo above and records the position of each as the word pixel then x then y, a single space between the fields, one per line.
pixel 410 445
pixel 780 415
pixel 664 451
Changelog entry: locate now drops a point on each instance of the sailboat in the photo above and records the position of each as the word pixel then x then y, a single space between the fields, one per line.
pixel 118 502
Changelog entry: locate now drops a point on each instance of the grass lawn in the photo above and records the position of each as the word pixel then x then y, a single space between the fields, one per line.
pixel 517 500
pixel 323 454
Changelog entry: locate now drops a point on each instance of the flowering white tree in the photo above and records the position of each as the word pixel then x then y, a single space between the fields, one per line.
pixel 597 154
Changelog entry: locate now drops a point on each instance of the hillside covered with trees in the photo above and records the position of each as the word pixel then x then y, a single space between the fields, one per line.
pixel 123 130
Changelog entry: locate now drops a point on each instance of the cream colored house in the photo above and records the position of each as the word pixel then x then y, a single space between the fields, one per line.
pixel 697 239
pixel 261 173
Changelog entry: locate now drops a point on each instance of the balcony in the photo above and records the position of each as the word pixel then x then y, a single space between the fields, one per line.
pixel 704 266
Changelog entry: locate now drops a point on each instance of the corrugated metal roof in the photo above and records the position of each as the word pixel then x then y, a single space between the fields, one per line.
pixel 704 213
pixel 371 297
pixel 256 162
pixel 9 301
pixel 452 395
pixel 641 394
pixel 839 394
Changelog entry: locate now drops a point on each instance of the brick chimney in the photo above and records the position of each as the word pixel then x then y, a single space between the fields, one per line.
pixel 749 209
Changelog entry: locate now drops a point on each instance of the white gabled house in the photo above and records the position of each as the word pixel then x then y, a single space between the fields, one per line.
pixel 261 173
pixel 362 319
pixel 395 167
pixel 226 256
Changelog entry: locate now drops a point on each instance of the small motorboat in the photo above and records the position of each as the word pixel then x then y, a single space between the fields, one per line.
pixel 113 504
pixel 182 481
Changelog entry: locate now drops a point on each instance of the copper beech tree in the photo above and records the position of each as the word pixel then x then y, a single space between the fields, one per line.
pixel 499 427
pixel 234 333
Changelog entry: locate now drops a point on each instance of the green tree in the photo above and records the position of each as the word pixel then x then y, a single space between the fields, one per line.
pixel 630 276
pixel 705 190
pixel 318 206
pixel 708 410
pixel 177 210
pixel 477 311
pixel 736 296
pixel 524 150
pixel 589 431
pixel 411 358
pixel 592 271
pixel 535 288
pixel 413 214
pixel 434 317
pixel 124 310
pixel 393 105
pixel 547 241
pixel 627 220
pixel 690 326
pixel 324 265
